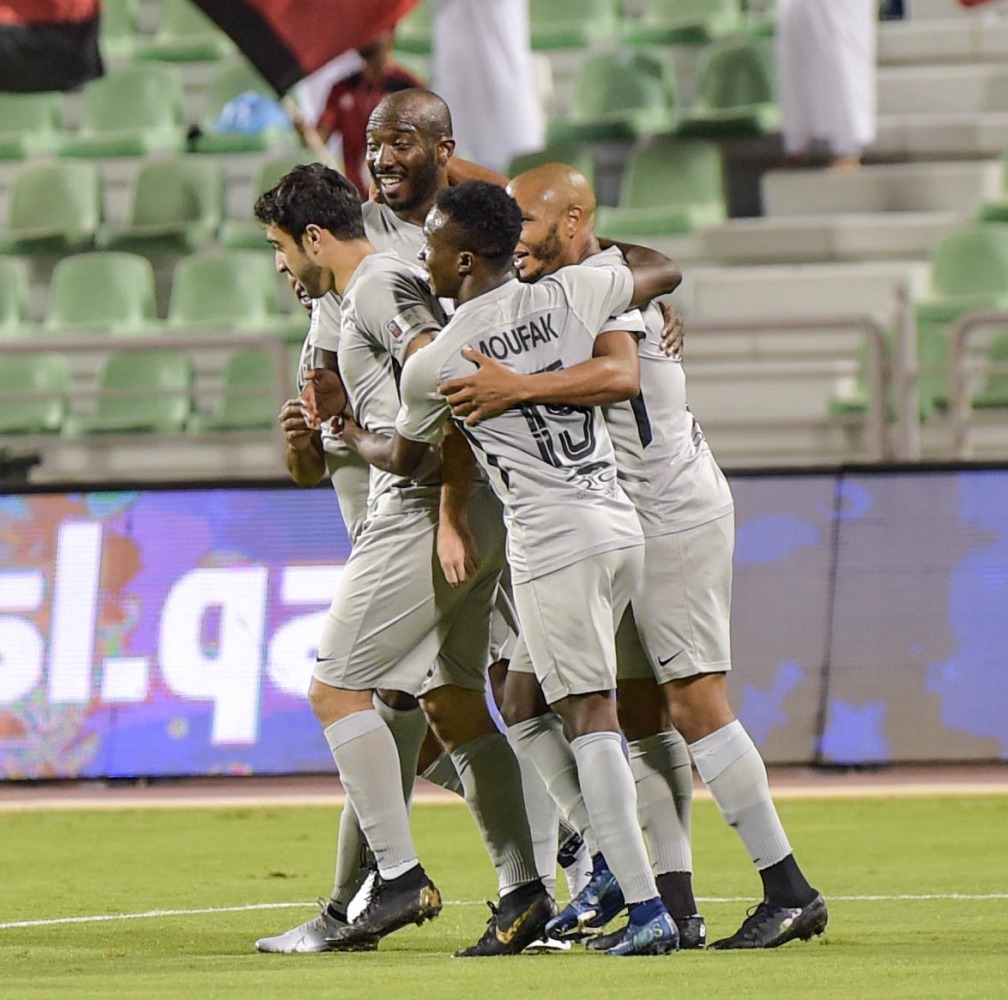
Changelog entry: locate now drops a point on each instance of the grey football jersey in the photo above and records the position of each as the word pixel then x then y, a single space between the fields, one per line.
pixel 386 304
pixel 386 231
pixel 665 463
pixel 552 466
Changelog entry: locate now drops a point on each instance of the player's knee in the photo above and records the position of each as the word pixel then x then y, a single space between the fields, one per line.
pixel 522 699
pixel 699 706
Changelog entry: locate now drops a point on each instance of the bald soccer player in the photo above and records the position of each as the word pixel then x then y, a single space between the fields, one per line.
pixel 574 543
pixel 676 633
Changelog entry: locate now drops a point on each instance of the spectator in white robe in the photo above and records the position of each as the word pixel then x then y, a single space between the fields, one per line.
pixel 482 66
pixel 826 77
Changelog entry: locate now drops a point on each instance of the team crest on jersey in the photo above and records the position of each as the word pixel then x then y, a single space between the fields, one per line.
pixel 394 328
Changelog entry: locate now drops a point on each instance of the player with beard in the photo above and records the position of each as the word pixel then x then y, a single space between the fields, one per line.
pixel 410 154
pixel 391 619
pixel 679 615
pixel 574 543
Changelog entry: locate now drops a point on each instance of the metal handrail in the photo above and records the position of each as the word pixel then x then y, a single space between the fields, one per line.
pixel 69 343
pixel 878 369
pixel 959 370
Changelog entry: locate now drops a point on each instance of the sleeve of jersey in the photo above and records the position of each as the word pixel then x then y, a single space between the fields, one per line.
pixel 423 411
pixel 399 310
pixel 598 293
pixel 632 321
pixel 325 323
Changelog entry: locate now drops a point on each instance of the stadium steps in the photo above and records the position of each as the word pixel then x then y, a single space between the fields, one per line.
pixel 904 187
pixel 945 40
pixel 824 237
pixel 939 10
pixel 805 289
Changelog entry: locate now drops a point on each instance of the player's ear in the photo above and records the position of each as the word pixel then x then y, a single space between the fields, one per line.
pixel 312 239
pixel 465 262
pixel 574 217
pixel 445 151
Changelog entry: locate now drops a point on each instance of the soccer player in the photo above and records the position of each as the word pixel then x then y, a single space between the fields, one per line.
pixel 410 155
pixel 394 615
pixel 680 614
pixel 575 546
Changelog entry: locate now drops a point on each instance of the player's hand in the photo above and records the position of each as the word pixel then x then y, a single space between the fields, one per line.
pixel 487 392
pixel 347 430
pixel 457 551
pixel 323 395
pixel 294 423
pixel 673 332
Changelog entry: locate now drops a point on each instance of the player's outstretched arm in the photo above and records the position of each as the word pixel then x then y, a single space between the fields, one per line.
pixel 393 454
pixel 457 550
pixel 654 274
pixel 612 375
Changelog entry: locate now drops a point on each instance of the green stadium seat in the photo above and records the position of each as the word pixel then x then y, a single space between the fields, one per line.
pixel 761 19
pixel 572 24
pixel 736 94
pixel 230 80
pixel 119 32
pixel 671 185
pixel 997 209
pixel 969 271
pixel 176 206
pixel 684 22
pixel 577 154
pixel 132 111
pixel 248 400
pixel 247 234
pixel 185 34
pixel 994 394
pixel 413 33
pixel 139 391
pixel 30 124
pixel 22 376
pixel 53 208
pixel 102 293
pixel 225 290
pixel 619 95
pixel 15 290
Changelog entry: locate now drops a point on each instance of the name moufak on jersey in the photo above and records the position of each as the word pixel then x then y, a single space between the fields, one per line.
pixel 520 339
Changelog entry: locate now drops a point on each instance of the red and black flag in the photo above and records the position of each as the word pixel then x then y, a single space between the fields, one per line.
pixel 288 39
pixel 48 44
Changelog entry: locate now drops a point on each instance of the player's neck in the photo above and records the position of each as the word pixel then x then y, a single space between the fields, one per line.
pixel 586 246
pixel 345 259
pixel 480 282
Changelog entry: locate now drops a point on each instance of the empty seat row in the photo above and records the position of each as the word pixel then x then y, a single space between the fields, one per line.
pixel 629 93
pixel 112 293
pixel 175 205
pixel 138 108
pixel 183 33
pixel 575 24
pixel 137 392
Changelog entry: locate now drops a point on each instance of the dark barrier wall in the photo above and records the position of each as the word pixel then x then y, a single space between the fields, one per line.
pixel 170 632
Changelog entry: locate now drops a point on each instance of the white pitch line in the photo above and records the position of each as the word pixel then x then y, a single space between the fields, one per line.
pixel 106 917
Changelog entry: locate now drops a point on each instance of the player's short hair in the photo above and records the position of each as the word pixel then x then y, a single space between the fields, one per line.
pixel 487 218
pixel 312 194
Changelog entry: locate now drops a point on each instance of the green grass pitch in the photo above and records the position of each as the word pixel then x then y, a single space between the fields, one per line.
pixel 917 890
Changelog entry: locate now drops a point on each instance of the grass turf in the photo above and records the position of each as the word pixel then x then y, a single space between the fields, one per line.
pixel 863 854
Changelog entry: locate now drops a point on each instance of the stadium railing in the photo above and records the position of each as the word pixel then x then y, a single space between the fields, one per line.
pixel 964 371
pixel 88 456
